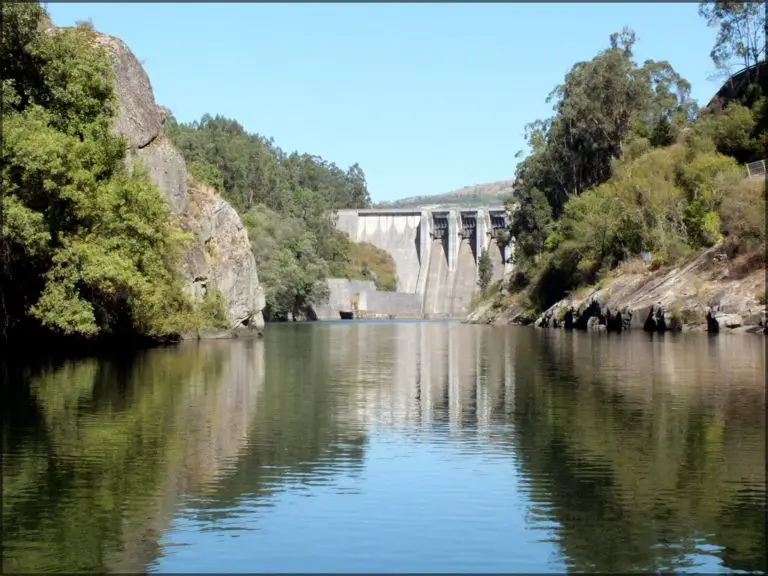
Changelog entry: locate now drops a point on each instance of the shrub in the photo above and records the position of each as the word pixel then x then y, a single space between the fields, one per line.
pixel 211 310
pixel 485 270
pixel 369 262
pixel 742 213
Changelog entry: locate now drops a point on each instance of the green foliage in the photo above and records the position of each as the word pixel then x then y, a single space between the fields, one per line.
pixel 605 180
pixel 287 202
pixel 664 202
pixel 250 169
pixel 290 267
pixel 485 270
pixel 206 174
pixel 703 228
pixel 737 131
pixel 531 216
pixel 603 105
pixel 738 125
pixel 212 310
pixel 86 248
pixel 741 32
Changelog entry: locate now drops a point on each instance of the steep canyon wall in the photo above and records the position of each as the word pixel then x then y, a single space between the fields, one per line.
pixel 220 255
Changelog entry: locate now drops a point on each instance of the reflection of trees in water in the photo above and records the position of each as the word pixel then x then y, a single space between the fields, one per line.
pixel 102 450
pixel 635 458
pixel 91 478
pixel 304 427
pixel 630 445
pixel 640 449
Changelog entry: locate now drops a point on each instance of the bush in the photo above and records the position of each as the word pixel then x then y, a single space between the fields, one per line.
pixel 706 177
pixel 742 213
pixel 87 249
pixel 211 310
pixel 485 270
pixel 733 132
pixel 667 202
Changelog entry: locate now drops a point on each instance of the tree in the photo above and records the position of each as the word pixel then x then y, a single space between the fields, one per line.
pixel 603 183
pixel 484 269
pixel 602 106
pixel 530 216
pixel 358 196
pixel 287 202
pixel 289 266
pixel 741 33
pixel 85 248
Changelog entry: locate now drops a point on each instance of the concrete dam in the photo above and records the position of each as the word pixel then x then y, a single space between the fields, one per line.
pixel 436 254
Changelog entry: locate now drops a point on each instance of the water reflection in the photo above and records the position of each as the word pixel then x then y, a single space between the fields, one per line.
pixel 396 447
pixel 95 464
pixel 646 453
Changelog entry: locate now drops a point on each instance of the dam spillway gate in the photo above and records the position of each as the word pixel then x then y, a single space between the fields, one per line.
pixel 439 225
pixel 498 220
pixel 468 232
pixel 436 255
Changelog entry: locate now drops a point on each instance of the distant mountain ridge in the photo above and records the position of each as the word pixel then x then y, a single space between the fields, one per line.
pixel 490 194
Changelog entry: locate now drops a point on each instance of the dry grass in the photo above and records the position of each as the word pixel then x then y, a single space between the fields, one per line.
pixel 745 264
pixel 632 266
pixel 364 255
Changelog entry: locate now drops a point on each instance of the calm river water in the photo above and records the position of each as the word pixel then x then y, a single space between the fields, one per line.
pixel 391 447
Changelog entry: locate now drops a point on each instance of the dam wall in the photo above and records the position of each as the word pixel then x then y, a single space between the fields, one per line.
pixel 340 292
pixel 436 255
pixel 396 231
pixel 373 303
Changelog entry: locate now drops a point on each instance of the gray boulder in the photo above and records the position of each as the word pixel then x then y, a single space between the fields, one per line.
pixel 221 255
pixel 139 119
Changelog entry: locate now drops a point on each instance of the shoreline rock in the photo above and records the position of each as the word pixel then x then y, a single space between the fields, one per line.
pixel 706 294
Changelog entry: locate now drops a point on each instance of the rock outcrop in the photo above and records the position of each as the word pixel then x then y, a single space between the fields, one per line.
pixel 708 293
pixel 221 255
pixel 711 292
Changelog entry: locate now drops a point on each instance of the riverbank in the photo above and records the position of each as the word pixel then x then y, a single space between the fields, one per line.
pixel 709 292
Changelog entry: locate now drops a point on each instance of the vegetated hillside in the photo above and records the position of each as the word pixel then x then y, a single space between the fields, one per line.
pixel 92 245
pixel 287 203
pixel 640 172
pixel 479 195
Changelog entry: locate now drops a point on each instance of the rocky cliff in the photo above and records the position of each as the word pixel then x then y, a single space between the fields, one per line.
pixel 711 292
pixel 220 255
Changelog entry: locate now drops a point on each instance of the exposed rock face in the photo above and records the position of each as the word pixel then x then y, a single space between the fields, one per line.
pixel 705 294
pixel 221 256
pixel 709 293
pixel 166 168
pixel 139 119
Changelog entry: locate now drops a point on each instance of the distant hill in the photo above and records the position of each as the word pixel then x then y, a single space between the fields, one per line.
pixel 491 194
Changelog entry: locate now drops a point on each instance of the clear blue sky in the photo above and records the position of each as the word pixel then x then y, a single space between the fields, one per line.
pixel 426 97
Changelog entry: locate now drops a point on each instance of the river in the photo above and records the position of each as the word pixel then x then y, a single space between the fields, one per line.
pixel 391 447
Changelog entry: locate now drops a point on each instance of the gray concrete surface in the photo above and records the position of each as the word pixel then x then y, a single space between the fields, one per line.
pixel 435 252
